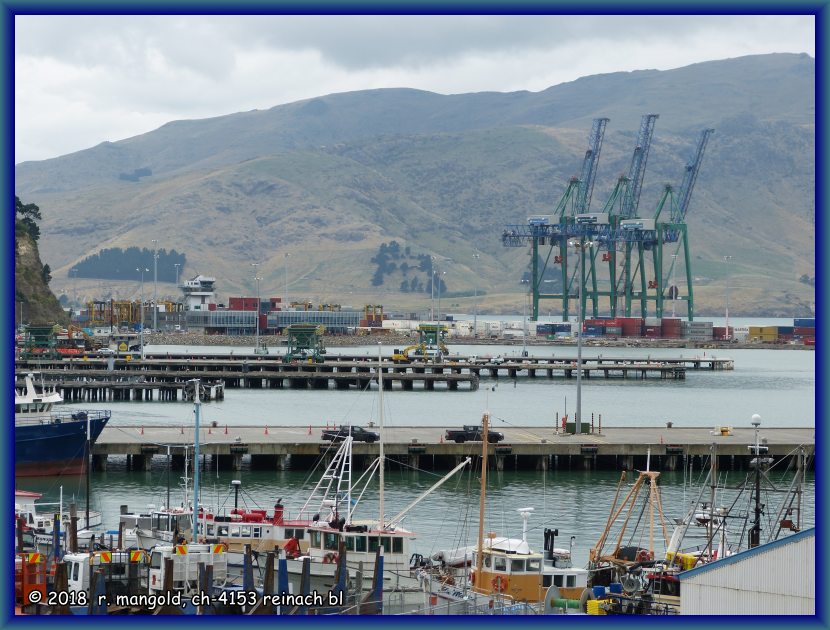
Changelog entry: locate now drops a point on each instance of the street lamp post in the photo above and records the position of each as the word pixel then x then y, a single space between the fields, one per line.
pixel 177 265
pixel 440 275
pixel 257 278
pixel 475 298
pixel 432 288
pixel 155 282
pixel 141 298
pixel 580 246
pixel 726 259
pixel 286 255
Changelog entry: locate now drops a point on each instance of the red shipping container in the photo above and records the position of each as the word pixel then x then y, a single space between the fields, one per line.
pixel 804 332
pixel 809 341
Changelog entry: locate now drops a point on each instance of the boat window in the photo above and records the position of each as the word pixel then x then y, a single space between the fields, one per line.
pixel 210 530
pixel 315 539
pixel 386 542
pixel 546 581
pixel 534 565
pixel 373 544
pixel 222 530
pixel 517 566
pixel 75 569
pixel 397 545
pixel 257 532
pixel 155 561
pixel 557 580
pixel 234 532
pixel 245 531
pixel 360 543
pixel 349 540
pixel 499 563
pixel 487 561
pixel 174 523
pixel 571 580
pixel 299 533
pixel 330 541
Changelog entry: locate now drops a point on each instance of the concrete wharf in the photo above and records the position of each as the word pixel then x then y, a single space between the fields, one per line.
pixel 300 447
pixel 162 377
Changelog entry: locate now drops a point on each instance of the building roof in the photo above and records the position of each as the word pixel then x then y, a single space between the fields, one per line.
pixel 738 557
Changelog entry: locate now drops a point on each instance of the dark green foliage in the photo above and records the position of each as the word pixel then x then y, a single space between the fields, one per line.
pixel 118 264
pixel 25 216
pixel 46 272
pixel 135 175
pixel 392 251
pixel 404 288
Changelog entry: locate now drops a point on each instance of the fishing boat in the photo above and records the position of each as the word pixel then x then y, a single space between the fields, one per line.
pixel 49 442
pixel 505 574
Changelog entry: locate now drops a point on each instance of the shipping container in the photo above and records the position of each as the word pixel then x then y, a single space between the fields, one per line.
pixel 613 331
pixel 804 322
pixel 808 341
pixel 804 331
pixel 786 330
pixel 652 321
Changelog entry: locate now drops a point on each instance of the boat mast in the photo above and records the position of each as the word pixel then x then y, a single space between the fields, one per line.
pixel 88 466
pixel 485 427
pixel 197 405
pixel 380 442
pixel 755 532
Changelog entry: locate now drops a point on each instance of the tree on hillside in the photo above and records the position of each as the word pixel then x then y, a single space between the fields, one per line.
pixel 25 215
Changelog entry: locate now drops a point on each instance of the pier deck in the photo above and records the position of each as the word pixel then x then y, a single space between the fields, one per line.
pixel 526 447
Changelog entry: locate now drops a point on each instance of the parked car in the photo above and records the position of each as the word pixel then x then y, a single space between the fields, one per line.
pixel 106 352
pixel 359 434
pixel 472 433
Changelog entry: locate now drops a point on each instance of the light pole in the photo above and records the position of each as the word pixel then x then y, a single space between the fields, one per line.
pixel 726 260
pixel 286 255
pixel 475 298
pixel 673 282
pixel 440 275
pixel 155 282
pixel 177 265
pixel 581 245
pixel 432 288
pixel 74 273
pixel 257 278
pixel 141 298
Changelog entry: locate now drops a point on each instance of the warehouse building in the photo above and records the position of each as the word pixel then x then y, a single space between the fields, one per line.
pixel 778 578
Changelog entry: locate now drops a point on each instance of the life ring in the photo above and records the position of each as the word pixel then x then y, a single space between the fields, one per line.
pixel 500 583
pixel 643 556
pixel 330 558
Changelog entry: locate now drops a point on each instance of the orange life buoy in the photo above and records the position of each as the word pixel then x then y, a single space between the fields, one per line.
pixel 500 583
pixel 642 556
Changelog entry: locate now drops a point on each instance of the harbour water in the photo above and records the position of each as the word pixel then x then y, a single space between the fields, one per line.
pixel 778 385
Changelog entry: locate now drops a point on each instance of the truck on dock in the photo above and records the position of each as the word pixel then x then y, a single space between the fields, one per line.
pixel 472 433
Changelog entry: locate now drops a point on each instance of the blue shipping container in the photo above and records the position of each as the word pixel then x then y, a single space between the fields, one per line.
pixel 805 322
pixel 785 330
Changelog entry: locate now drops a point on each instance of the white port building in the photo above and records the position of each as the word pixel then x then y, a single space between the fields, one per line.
pixel 778 578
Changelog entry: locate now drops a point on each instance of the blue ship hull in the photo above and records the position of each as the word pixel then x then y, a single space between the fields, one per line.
pixel 55 445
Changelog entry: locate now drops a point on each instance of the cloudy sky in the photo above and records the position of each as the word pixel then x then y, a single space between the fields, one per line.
pixel 81 80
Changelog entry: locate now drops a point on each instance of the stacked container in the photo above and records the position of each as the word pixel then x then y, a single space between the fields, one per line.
pixel 804 329
pixel 720 332
pixel 672 328
pixel 697 331
pixel 631 326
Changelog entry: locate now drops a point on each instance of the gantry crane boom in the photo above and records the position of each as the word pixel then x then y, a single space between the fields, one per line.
pixel 678 214
pixel 589 166
pixel 637 168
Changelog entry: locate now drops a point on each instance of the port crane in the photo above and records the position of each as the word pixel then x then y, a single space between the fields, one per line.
pixel 638 237
pixel 541 231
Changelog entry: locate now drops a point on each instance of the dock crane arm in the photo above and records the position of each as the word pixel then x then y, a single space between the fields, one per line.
pixel 637 168
pixel 678 210
pixel 589 165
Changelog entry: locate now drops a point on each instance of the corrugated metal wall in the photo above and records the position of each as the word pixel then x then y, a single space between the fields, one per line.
pixel 780 581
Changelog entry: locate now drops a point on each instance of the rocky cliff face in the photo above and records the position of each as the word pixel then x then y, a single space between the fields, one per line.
pixel 39 304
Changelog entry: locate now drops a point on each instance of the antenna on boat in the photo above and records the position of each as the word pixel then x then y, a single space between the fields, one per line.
pixel 525 514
